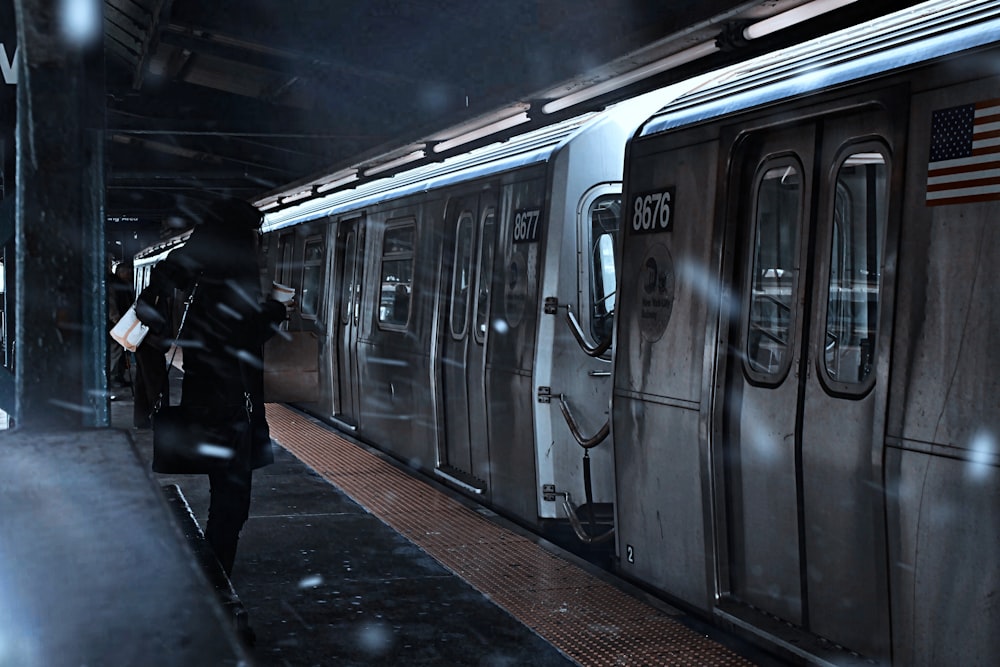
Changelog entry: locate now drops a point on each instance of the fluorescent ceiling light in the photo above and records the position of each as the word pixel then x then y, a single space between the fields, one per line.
pixel 385 166
pixel 402 151
pixel 341 178
pixel 261 203
pixel 269 205
pixel 479 122
pixel 793 16
pixel 484 131
pixel 301 194
pixel 614 83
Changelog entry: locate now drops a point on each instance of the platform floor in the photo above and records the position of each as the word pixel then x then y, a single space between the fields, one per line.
pixel 348 559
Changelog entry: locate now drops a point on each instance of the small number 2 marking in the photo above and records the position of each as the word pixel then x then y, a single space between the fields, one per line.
pixel 630 553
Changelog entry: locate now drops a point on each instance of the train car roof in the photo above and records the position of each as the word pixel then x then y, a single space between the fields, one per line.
pixel 158 251
pixel 530 148
pixel 516 152
pixel 917 35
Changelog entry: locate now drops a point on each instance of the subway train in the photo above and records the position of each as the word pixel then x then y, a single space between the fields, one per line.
pixel 435 302
pixel 741 330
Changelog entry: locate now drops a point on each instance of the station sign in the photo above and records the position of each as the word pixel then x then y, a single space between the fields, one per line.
pixel 131 220
pixel 9 54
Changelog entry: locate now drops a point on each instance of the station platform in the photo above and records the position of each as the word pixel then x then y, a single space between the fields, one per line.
pixel 350 558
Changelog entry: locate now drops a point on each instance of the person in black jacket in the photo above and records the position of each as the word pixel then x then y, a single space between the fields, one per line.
pixel 222 340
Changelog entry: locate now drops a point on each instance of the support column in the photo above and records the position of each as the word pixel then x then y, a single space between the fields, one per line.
pixel 61 338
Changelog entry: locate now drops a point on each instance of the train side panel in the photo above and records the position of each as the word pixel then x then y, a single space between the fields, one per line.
pixel 585 181
pixel 943 461
pixel 665 302
pixel 394 350
pixel 516 306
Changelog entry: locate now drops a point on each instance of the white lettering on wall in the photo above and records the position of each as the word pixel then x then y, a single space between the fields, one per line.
pixel 8 67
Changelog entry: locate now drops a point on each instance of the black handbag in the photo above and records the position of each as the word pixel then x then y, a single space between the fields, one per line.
pixel 183 445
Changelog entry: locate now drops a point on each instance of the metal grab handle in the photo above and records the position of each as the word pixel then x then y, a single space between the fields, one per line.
pixel 574 326
pixel 574 521
pixel 586 443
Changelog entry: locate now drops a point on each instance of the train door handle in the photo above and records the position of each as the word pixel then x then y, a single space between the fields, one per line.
pixel 574 429
pixel 577 330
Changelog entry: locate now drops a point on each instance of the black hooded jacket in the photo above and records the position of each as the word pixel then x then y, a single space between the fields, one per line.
pixel 224 330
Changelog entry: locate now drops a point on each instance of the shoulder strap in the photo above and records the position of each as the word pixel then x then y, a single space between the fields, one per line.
pixel 170 362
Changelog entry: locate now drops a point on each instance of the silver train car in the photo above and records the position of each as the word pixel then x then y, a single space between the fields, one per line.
pixel 805 381
pixel 147 258
pixel 440 303
pixel 740 330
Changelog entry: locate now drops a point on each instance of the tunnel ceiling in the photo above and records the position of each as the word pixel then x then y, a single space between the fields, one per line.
pixel 246 96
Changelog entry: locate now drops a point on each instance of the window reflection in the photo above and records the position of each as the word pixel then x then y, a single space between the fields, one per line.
pixel 772 279
pixel 462 274
pixel 348 290
pixel 312 277
pixel 283 270
pixel 485 275
pixel 397 274
pixel 605 216
pixel 859 219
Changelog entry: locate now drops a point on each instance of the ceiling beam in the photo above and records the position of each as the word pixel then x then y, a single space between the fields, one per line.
pixel 159 15
pixel 214 43
pixel 191 110
pixel 196 156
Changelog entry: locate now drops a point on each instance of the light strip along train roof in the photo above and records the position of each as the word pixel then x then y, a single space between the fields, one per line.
pixel 518 151
pixel 919 34
pixel 522 150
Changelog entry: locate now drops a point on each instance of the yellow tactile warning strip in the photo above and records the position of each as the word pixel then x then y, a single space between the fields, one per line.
pixel 586 618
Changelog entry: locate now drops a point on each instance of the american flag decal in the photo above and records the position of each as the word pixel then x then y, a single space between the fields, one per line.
pixel 965 154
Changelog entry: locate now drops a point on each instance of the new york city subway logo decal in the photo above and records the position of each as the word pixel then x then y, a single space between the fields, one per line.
pixel 653 211
pixel 655 280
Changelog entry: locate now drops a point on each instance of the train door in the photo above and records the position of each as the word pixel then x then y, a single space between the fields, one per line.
pixel 350 277
pixel 469 242
pixel 801 416
pixel 480 308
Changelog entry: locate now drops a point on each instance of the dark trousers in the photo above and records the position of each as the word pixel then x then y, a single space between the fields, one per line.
pixel 116 368
pixel 228 510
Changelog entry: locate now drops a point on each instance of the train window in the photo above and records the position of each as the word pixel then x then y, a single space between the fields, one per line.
pixel 484 277
pixel 778 203
pixel 605 216
pixel 312 276
pixel 283 270
pixel 347 291
pixel 859 220
pixel 397 275
pixel 461 274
